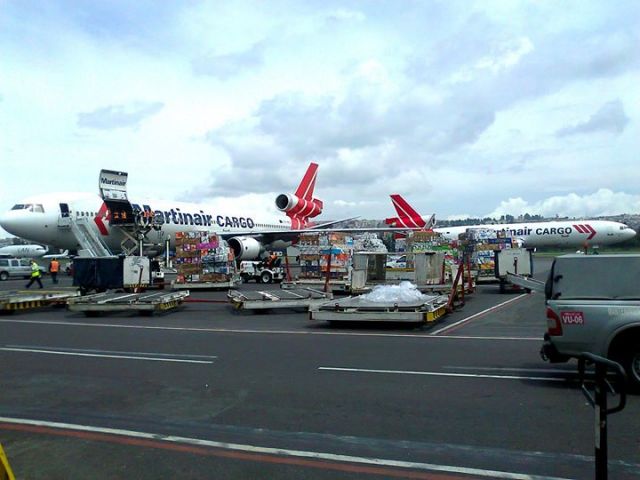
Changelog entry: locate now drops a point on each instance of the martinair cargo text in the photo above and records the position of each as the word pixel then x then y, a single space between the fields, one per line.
pixel 570 233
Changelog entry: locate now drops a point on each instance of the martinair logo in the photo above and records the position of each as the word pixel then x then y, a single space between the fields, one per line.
pixel 103 214
pixel 586 228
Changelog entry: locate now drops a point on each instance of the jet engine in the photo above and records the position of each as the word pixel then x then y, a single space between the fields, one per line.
pixel 245 248
pixel 298 207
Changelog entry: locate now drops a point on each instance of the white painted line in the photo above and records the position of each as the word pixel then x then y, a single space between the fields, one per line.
pixel 98 355
pixel 89 350
pixel 281 452
pixel 508 369
pixel 267 332
pixel 442 374
pixel 490 309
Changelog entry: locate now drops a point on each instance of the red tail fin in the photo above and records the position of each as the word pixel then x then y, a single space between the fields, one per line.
pixel 308 183
pixel 407 216
pixel 301 206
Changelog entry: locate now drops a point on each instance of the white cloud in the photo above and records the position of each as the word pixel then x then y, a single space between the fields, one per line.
pixel 603 202
pixel 249 94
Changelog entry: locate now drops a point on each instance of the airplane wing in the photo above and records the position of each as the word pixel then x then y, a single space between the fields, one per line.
pixel 293 231
pixel 333 222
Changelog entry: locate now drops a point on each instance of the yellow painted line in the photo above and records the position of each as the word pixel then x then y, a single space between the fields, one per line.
pixel 6 472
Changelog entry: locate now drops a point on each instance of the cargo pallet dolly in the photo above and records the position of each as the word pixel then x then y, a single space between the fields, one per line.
pixel 357 309
pixel 144 303
pixel 278 298
pixel 25 300
pixel 231 283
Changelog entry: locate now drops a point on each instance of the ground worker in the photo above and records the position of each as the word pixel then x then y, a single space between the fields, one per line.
pixel 35 274
pixel 270 262
pixel 54 268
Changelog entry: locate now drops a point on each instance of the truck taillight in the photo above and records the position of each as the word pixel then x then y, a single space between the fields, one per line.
pixel 554 327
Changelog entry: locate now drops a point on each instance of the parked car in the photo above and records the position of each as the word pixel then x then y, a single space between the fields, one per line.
pixel 15 268
pixel 399 262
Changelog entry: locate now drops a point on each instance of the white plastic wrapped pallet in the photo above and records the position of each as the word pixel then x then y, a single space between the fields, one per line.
pixel 404 292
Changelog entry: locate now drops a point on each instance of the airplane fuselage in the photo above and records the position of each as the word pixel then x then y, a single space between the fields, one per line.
pixel 23 251
pixel 44 222
pixel 574 233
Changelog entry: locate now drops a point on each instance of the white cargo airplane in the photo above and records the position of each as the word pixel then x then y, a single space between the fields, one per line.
pixel 568 233
pixel 23 251
pixel 44 218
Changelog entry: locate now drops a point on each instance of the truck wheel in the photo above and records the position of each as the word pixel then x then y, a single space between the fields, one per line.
pixel 4 276
pixel 265 277
pixel 630 360
pixel 244 277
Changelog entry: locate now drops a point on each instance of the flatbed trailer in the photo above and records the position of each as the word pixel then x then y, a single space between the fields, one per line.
pixel 231 283
pixel 278 298
pixel 144 303
pixel 25 299
pixel 358 309
pixel 335 285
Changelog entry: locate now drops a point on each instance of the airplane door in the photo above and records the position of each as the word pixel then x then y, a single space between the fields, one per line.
pixel 64 219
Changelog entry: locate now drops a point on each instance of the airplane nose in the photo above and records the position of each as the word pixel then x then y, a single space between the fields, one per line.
pixel 631 233
pixel 13 222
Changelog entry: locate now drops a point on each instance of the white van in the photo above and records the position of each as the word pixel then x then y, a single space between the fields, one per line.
pixel 14 268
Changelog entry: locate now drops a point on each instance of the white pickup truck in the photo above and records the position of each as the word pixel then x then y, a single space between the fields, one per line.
pixel 593 305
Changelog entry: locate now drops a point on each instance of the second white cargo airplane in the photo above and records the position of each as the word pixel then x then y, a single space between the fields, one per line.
pixel 567 233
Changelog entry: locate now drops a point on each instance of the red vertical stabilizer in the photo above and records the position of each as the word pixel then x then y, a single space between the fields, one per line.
pixel 407 216
pixel 301 206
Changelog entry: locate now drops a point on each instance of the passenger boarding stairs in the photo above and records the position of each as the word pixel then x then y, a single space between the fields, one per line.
pixel 87 237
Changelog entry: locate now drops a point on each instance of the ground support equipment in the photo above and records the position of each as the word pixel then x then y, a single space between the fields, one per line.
pixel 355 309
pixel 26 300
pixel 333 285
pixel 231 283
pixel 145 303
pixel 278 298
pixel 526 282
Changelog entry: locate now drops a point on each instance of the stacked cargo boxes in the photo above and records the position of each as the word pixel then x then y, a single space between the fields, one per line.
pixel 426 242
pixel 315 249
pixel 484 242
pixel 202 257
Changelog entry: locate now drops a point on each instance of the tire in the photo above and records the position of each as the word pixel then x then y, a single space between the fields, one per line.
pixel 630 360
pixel 265 277
pixel 4 276
pixel 244 277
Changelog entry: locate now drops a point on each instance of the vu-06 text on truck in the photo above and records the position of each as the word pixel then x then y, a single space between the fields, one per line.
pixel 593 305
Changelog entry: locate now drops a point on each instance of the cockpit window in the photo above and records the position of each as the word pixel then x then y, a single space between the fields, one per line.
pixel 31 207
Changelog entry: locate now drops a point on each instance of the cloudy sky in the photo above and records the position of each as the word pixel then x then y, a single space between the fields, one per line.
pixel 466 108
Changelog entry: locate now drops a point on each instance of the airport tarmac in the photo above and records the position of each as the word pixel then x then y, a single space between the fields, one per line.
pixel 206 392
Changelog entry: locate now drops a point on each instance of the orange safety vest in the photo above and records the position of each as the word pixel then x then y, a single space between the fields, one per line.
pixel 54 266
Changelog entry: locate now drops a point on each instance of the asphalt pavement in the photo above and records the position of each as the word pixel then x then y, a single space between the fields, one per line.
pixel 207 392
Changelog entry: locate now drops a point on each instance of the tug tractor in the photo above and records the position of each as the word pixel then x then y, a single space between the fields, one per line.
pixel 260 272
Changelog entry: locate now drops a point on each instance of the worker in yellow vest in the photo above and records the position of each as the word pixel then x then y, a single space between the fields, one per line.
pixel 35 274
